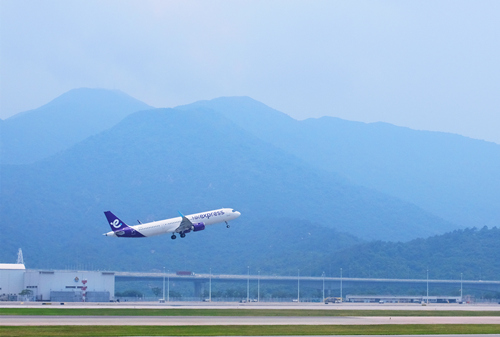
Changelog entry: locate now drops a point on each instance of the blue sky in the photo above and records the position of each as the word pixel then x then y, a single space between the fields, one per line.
pixel 429 65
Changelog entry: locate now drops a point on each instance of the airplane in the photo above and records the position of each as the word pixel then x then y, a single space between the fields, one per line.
pixel 181 225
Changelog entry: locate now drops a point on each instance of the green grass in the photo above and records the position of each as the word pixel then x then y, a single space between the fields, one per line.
pixel 236 312
pixel 249 330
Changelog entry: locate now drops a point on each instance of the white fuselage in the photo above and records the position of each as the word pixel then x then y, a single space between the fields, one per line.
pixel 170 225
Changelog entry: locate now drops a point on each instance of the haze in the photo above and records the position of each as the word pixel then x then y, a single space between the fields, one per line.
pixel 430 65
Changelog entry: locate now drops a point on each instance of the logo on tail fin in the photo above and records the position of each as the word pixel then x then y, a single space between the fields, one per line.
pixel 120 228
pixel 115 223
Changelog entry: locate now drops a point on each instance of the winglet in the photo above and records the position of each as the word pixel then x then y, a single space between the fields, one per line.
pixel 182 215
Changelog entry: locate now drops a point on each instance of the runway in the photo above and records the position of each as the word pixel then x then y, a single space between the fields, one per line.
pixel 226 320
pixel 260 305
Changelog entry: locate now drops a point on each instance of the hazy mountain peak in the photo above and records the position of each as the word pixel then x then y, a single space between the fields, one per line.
pixel 242 109
pixel 69 118
pixel 89 95
pixel 81 99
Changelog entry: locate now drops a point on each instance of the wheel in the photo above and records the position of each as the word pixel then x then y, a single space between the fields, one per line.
pixel 183 235
pixel 173 237
pixel 227 226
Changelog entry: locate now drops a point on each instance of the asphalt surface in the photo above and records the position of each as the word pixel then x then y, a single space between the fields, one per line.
pixel 11 320
pixel 259 305
pixel 226 320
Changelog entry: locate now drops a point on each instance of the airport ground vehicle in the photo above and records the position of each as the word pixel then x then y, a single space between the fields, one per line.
pixel 333 300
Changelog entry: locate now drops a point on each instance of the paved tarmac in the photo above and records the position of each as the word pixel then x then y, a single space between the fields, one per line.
pixel 225 320
pixel 259 305
pixel 241 320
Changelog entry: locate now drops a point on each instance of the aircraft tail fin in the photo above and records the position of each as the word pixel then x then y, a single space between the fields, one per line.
pixel 115 223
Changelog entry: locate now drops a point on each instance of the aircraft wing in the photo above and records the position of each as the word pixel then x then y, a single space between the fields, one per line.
pixel 185 225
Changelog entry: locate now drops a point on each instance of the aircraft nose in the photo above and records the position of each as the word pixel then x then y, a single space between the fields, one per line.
pixel 237 213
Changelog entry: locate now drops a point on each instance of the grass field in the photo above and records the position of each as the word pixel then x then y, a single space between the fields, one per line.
pixel 237 312
pixel 249 330
pixel 244 330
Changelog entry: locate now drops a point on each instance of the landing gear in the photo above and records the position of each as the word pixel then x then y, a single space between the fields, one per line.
pixel 183 235
pixel 227 225
pixel 173 237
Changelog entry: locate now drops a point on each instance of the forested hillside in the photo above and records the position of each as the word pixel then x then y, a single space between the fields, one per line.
pixel 159 161
pixel 297 213
pixel 473 252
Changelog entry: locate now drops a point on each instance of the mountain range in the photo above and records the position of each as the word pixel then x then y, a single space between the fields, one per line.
pixel 454 177
pixel 298 184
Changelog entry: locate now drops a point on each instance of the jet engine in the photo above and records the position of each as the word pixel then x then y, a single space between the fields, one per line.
pixel 198 227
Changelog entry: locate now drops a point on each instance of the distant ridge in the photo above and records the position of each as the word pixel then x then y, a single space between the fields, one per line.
pixel 471 252
pixel 298 184
pixel 157 161
pixel 75 115
pixel 454 177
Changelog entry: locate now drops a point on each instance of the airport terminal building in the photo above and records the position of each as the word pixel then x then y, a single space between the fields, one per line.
pixel 20 284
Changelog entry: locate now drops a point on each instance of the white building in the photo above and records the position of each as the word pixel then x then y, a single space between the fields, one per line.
pixel 55 285
pixel 70 285
pixel 11 280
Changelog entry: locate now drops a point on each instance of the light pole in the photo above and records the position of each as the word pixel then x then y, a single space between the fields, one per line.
pixel 461 288
pixel 248 283
pixel 163 284
pixel 168 286
pixel 427 285
pixel 323 286
pixel 210 287
pixel 298 285
pixel 258 286
pixel 341 298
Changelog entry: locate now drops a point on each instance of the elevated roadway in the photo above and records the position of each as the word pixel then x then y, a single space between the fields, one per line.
pixel 199 280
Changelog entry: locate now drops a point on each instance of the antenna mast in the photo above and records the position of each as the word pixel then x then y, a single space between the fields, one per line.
pixel 20 259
